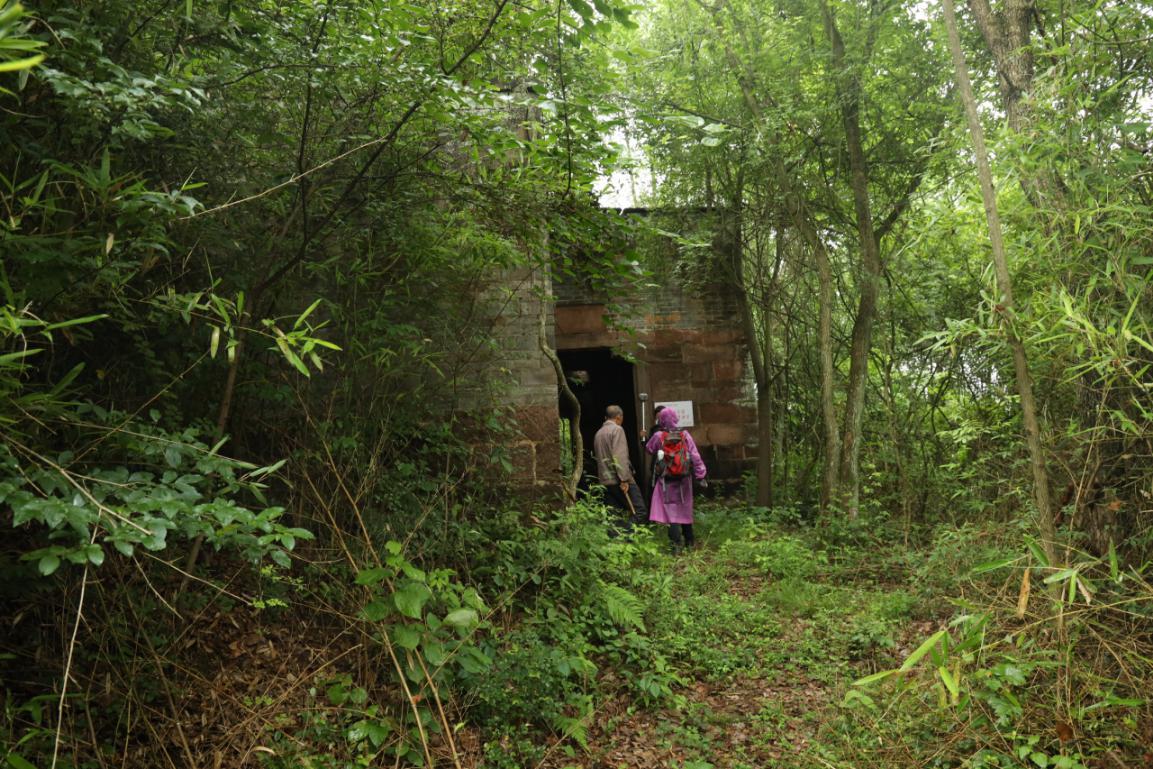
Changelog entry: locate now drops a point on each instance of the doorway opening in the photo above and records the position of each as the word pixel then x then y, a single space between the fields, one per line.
pixel 599 379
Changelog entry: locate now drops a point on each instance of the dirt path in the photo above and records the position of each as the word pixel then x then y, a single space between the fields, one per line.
pixel 789 667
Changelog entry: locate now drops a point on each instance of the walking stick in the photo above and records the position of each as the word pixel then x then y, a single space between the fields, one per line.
pixel 629 502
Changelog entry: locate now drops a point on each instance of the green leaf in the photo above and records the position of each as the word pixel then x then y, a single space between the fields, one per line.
pixel 622 606
pixel 376 732
pixel 950 682
pixel 262 471
pixel 95 554
pixel 373 576
pixel 873 678
pixel 19 64
pixel 583 9
pixel 375 611
pixel 75 321
pixel 48 564
pixel 994 565
pixel 1038 553
pixel 17 761
pixel 293 358
pixel 12 357
pixel 1060 576
pixel 923 649
pixel 462 618
pixel 406 636
pixel 434 653
pixel 337 694
pixel 411 598
pixel 304 315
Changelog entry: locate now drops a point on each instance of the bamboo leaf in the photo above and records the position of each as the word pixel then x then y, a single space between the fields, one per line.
pixel 21 64
pixel 925 647
pixel 875 677
pixel 950 682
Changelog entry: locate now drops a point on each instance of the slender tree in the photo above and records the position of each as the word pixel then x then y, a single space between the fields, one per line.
pixel 1004 308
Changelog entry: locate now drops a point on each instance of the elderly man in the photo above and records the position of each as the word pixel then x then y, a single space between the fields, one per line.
pixel 614 468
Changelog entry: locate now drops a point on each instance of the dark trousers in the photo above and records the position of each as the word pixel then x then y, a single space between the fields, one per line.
pixel 681 535
pixel 638 513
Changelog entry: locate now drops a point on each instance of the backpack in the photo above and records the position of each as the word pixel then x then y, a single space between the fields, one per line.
pixel 676 462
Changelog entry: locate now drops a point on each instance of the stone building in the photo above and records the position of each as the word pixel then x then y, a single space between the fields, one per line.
pixel 660 340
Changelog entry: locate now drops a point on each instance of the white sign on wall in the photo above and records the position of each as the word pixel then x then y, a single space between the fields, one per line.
pixel 684 410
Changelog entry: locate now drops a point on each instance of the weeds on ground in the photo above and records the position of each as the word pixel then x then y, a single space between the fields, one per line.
pixel 1038 665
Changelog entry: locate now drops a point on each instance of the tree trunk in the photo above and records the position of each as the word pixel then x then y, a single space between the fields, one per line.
pixel 849 96
pixel 828 406
pixel 764 447
pixel 795 207
pixel 1006 33
pixel 1032 426
pixel 731 246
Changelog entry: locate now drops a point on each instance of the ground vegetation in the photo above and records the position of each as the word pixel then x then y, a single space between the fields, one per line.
pixel 257 477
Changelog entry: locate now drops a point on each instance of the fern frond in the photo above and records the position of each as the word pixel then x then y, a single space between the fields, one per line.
pixel 623 607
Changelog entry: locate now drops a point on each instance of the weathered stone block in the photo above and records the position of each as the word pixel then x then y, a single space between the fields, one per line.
pixel 701 353
pixel 661 353
pixel 714 413
pixel 729 370
pixel 580 319
pixel 725 434
pixel 701 375
pixel 522 454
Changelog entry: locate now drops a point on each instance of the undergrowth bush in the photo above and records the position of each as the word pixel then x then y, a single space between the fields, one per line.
pixel 955 551
pixel 783 556
pixel 1051 673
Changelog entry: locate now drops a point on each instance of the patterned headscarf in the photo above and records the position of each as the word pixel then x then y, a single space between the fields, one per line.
pixel 667 419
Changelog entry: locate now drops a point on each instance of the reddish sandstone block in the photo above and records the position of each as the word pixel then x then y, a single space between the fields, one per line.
pixel 539 424
pixel 580 319
pixel 604 338
pixel 728 370
pixel 731 453
pixel 701 375
pixel 669 376
pixel 719 337
pixel 662 320
pixel 721 392
pixel 726 434
pixel 660 353
pixel 714 413
pixel 701 353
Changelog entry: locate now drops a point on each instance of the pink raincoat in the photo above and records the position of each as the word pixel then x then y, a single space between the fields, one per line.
pixel 673 498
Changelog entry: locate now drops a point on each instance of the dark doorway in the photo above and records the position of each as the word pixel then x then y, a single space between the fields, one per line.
pixel 599 379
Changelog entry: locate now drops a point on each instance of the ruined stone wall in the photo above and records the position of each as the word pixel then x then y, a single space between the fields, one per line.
pixel 688 344
pixel 683 331
pixel 519 374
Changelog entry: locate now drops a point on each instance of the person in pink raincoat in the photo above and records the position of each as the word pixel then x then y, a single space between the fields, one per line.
pixel 673 497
